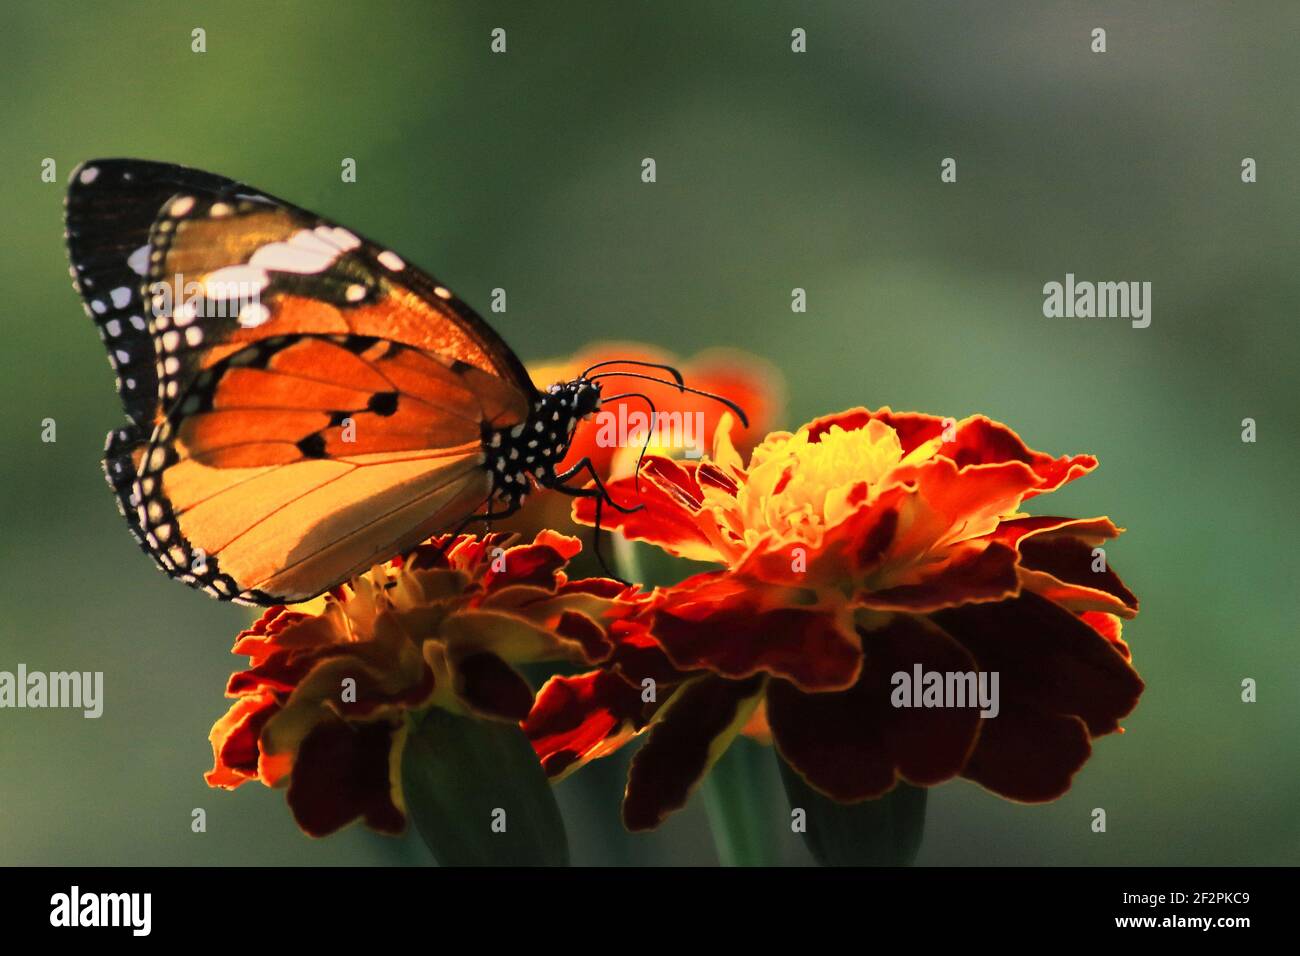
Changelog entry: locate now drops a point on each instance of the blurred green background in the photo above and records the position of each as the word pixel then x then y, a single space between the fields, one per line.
pixel 775 170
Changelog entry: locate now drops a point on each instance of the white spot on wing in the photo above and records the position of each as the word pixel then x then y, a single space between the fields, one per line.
pixel 187 313
pixel 88 175
pixel 339 237
pixel 139 260
pixel 391 261
pixel 253 314
pixel 233 282
pixel 305 252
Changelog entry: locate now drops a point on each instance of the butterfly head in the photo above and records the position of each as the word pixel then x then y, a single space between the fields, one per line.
pixel 582 396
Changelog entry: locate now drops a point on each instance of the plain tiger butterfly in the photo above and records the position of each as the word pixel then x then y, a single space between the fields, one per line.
pixel 302 403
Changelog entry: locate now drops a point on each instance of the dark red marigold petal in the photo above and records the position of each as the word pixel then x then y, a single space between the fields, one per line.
pixel 638 656
pixel 575 718
pixel 715 623
pixel 1071 560
pixel 375 689
pixel 597 587
pixel 235 740
pixel 987 574
pixel 680 747
pixel 342 772
pixel 1094 530
pixel 492 687
pixel 590 636
pixel 533 564
pixel 282 631
pixel 854 744
pixel 1047 657
pixel 1029 755
pixel 282 671
pixel 240 750
pixel 1110 627
pixel 981 441
pixel 1060 682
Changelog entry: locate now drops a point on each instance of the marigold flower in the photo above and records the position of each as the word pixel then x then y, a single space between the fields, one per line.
pixel 862 545
pixel 321 709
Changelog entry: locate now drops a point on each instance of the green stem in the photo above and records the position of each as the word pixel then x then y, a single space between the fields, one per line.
pixel 886 831
pixel 742 812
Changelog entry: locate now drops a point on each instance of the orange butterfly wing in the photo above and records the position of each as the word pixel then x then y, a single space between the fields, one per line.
pixel 320 404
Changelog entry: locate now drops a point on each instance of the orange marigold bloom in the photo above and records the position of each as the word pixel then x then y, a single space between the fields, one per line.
pixel 863 545
pixel 321 708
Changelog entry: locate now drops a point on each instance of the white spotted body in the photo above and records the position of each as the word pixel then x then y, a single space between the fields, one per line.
pixel 526 455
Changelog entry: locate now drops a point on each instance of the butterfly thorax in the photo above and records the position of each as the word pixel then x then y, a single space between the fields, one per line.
pixel 527 454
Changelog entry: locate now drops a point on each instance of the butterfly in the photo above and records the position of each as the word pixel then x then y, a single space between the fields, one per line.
pixel 301 402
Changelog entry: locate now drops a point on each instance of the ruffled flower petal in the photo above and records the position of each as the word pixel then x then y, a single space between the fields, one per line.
pixel 577 719
pixel 856 744
pixel 691 731
pixel 1061 683
pixel 719 623
pixel 347 771
pixel 234 740
pixel 492 688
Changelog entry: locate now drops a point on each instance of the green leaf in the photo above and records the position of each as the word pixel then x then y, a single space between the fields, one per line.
pixel 744 808
pixel 466 779
pixel 882 832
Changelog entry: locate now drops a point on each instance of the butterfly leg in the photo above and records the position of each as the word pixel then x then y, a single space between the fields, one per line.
pixel 585 464
pixel 601 497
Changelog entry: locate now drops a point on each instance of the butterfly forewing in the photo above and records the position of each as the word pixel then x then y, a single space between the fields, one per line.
pixel 303 402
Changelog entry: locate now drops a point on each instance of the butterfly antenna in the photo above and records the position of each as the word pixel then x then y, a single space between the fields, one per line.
pixel 654 417
pixel 740 412
pixel 677 376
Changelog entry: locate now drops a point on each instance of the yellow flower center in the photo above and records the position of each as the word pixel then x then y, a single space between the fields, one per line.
pixel 798 488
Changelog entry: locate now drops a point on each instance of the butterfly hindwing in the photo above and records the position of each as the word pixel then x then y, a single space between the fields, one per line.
pixel 317 404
